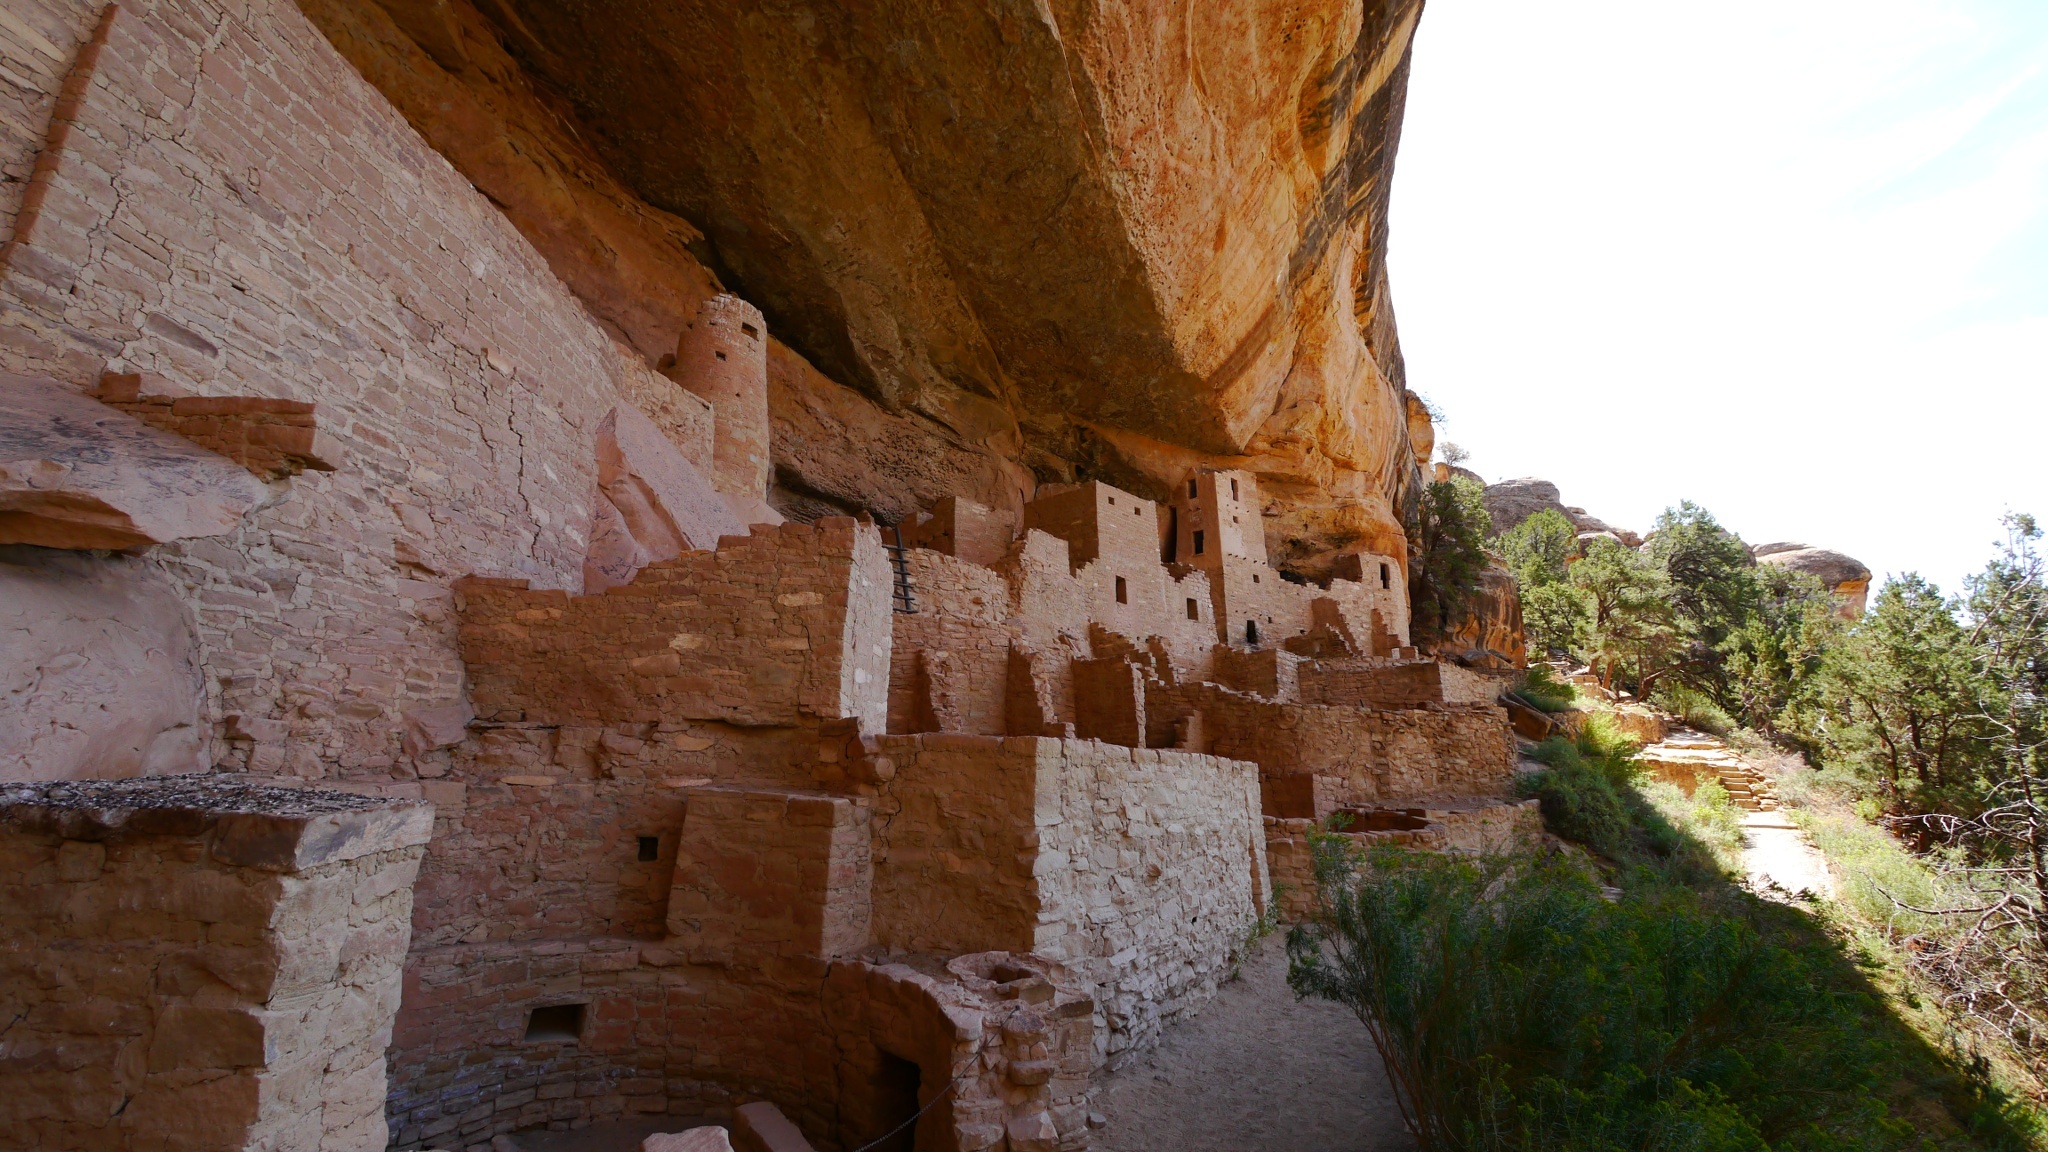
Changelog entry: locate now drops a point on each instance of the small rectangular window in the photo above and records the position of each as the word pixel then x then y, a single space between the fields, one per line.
pixel 1386 577
pixel 1233 487
pixel 1123 595
pixel 751 331
pixel 1255 577
pixel 1198 541
pixel 1191 489
pixel 1137 511
pixel 1194 609
pixel 555 1022
pixel 650 848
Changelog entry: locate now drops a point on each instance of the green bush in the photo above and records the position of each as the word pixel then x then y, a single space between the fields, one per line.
pixel 1695 708
pixel 1516 1008
pixel 1518 1005
pixel 1540 688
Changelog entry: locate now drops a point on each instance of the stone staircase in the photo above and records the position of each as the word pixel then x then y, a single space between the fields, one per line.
pixel 1684 757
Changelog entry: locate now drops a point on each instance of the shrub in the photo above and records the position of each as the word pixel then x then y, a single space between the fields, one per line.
pixel 1695 708
pixel 1540 688
pixel 1515 1008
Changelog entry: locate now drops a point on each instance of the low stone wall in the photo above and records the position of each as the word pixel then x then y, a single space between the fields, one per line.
pixel 1371 755
pixel 1388 684
pixel 1138 869
pixel 199 963
pixel 1469 828
pixel 788 622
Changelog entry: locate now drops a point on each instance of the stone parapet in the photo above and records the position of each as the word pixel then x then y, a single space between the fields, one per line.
pixel 202 963
pixel 785 623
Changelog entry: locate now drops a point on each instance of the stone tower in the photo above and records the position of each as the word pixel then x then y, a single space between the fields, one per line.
pixel 1218 515
pixel 723 357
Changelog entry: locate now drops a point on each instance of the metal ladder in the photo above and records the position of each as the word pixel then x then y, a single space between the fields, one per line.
pixel 900 598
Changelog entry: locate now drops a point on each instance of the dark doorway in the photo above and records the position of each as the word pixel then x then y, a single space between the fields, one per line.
pixel 1251 633
pixel 896 1086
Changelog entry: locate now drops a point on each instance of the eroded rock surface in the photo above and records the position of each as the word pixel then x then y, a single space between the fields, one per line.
pixel 76 473
pixel 99 672
pixel 1845 576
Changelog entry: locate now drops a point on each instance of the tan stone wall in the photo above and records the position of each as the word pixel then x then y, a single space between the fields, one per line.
pixel 1490 828
pixel 1139 870
pixel 238 213
pixel 1371 755
pixel 786 623
pixel 769 874
pixel 1406 684
pixel 200 966
pixel 950 666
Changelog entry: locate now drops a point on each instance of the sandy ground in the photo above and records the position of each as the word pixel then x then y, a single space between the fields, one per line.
pixel 1255 1070
pixel 1775 851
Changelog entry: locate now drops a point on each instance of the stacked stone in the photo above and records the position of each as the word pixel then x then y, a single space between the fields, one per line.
pixel 195 962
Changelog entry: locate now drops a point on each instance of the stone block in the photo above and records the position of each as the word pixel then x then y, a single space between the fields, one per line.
pixel 75 473
pixel 761 1127
pixel 710 1138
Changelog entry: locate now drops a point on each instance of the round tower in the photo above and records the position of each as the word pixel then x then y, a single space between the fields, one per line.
pixel 722 356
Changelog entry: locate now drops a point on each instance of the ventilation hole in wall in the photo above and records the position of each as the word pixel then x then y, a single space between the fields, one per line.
pixel 1386 578
pixel 1198 541
pixel 1112 500
pixel 720 355
pixel 1123 595
pixel 752 332
pixel 1233 489
pixel 1255 577
pixel 1194 609
pixel 1137 511
pixel 555 1022
pixel 650 848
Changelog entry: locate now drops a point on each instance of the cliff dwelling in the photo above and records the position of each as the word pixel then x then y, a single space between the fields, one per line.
pixel 808 570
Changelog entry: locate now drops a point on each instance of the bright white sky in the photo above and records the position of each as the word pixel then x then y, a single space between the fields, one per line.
pixel 1785 258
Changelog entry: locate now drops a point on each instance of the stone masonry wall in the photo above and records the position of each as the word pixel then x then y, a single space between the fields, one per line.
pixel 239 214
pixel 192 963
pixel 785 623
pixel 1370 755
pixel 1139 870
pixel 950 665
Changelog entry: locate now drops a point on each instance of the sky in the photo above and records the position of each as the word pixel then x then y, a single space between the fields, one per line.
pixel 1787 259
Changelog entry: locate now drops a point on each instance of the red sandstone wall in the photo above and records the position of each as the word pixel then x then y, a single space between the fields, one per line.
pixel 238 212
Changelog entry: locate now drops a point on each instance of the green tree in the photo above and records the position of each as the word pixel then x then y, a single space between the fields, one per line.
pixel 1539 551
pixel 1447 554
pixel 1773 662
pixel 1904 687
pixel 2008 610
pixel 1632 628
pixel 1712 580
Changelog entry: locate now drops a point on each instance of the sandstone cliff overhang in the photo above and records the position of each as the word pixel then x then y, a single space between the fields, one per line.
pixel 1040 243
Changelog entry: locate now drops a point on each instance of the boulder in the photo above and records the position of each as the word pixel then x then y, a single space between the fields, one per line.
pixel 1844 576
pixel 1512 501
pixel 99 671
pixel 651 504
pixel 75 473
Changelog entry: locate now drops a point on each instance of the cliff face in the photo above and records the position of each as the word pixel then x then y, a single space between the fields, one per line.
pixel 999 243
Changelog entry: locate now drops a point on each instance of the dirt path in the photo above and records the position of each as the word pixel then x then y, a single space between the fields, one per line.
pixel 1775 851
pixel 1255 1070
